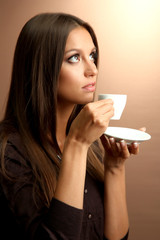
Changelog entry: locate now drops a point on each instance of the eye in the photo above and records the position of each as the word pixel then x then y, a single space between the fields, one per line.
pixel 93 56
pixel 74 59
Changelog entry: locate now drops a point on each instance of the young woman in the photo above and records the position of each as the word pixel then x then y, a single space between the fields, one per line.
pixel 60 177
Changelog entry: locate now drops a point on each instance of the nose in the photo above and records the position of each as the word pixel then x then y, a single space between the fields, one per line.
pixel 90 69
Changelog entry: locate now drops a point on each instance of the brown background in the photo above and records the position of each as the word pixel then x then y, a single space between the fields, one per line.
pixel 129 39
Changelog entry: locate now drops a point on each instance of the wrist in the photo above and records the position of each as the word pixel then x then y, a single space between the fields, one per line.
pixel 75 148
pixel 114 169
pixel 77 140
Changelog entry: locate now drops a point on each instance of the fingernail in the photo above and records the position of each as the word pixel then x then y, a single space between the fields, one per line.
pixel 111 140
pixel 122 143
pixel 135 144
pixel 143 129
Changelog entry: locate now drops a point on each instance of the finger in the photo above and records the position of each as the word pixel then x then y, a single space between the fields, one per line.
pixel 96 112
pixel 105 101
pixel 105 142
pixel 104 107
pixel 104 118
pixel 124 149
pixel 143 129
pixel 105 110
pixel 115 147
pixel 134 148
pixel 100 118
pixel 100 103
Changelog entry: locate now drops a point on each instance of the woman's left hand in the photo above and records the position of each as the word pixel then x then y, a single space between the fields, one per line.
pixel 117 152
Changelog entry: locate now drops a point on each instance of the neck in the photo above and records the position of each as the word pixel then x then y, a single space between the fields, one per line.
pixel 63 114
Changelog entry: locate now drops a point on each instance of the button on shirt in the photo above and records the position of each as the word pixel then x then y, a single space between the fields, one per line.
pixel 89 215
pixel 85 191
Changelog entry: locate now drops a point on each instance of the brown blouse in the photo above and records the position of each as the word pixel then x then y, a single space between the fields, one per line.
pixel 21 218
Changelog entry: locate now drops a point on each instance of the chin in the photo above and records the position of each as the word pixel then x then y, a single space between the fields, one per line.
pixel 88 99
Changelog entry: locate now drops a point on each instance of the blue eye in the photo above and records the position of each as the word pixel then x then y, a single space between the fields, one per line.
pixel 73 59
pixel 93 56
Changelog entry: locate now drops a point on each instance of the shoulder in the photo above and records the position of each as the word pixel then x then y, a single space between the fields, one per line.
pixel 15 146
pixel 14 155
pixel 10 140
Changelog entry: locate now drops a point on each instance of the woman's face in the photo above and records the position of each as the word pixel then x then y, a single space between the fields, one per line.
pixel 77 80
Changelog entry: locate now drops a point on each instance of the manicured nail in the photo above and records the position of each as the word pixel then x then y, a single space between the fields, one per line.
pixel 111 140
pixel 143 129
pixel 122 143
pixel 135 144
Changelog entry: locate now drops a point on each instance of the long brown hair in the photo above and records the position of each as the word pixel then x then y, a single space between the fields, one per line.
pixel 32 101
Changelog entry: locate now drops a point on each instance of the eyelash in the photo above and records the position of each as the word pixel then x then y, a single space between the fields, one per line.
pixel 70 59
pixel 94 55
pixel 77 56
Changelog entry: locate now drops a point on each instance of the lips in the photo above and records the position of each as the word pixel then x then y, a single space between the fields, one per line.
pixel 90 87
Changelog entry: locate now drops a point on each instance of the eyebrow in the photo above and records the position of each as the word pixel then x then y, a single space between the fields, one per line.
pixel 78 49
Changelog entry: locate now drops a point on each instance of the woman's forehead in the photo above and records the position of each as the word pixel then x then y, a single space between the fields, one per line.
pixel 77 38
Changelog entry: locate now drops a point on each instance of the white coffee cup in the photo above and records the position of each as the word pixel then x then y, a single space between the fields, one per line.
pixel 119 103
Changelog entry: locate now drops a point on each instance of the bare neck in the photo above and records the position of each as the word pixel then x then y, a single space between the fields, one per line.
pixel 63 114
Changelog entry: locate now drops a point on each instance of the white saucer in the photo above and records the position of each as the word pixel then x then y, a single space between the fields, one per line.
pixel 128 134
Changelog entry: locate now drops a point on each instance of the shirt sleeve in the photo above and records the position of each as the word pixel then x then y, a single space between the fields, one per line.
pixel 59 221
pixel 124 238
pixel 67 220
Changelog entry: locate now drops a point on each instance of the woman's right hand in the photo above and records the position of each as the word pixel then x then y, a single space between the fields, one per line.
pixel 92 121
pixel 88 126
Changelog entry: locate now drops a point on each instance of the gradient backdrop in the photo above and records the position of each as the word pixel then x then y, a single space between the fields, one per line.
pixel 129 37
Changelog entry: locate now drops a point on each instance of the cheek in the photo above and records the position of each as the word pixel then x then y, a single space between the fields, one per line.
pixel 67 84
pixel 69 78
pixel 64 82
pixel 64 78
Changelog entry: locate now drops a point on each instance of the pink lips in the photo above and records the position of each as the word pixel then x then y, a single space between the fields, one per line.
pixel 90 87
